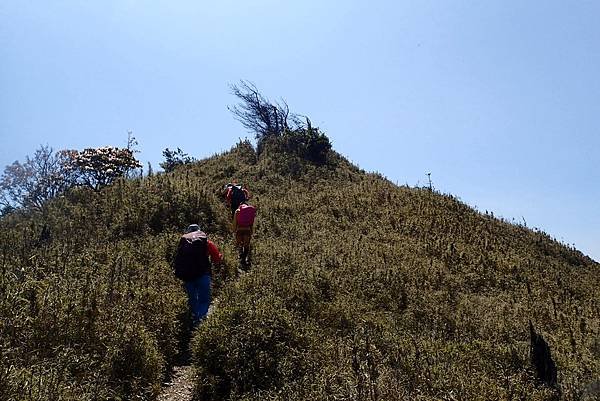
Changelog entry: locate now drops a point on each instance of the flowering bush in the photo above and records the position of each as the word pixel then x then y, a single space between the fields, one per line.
pixel 98 167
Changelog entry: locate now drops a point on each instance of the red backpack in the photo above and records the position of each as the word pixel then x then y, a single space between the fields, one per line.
pixel 246 215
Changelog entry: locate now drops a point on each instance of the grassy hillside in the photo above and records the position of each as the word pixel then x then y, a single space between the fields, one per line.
pixel 359 289
pixel 364 290
pixel 90 309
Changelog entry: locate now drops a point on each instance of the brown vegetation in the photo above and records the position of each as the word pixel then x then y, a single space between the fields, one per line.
pixel 359 289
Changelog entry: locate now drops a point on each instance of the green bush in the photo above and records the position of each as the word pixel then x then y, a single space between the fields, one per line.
pixel 305 144
pixel 309 144
pixel 259 347
pixel 133 363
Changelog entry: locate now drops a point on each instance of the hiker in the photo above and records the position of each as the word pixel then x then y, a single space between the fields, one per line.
pixel 235 194
pixel 193 266
pixel 243 223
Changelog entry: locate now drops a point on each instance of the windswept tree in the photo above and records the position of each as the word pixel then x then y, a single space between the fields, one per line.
pixel 259 115
pixel 174 158
pixel 98 167
pixel 41 177
pixel 274 123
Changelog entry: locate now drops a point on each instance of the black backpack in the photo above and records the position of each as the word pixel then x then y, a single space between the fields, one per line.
pixel 237 196
pixel 191 260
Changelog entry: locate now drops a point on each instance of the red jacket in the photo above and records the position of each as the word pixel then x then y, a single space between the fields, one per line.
pixel 213 252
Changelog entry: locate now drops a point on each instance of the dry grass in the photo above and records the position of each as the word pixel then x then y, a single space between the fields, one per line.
pixel 359 290
pixel 364 290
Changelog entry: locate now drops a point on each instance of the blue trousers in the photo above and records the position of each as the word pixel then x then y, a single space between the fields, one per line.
pixel 198 291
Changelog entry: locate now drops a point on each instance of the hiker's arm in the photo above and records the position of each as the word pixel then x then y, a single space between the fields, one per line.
pixel 214 253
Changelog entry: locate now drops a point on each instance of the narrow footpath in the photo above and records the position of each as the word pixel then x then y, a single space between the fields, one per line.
pixel 180 386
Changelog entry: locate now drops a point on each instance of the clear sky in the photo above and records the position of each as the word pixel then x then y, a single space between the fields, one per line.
pixel 499 100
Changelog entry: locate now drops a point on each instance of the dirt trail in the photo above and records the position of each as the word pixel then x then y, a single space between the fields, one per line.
pixel 181 386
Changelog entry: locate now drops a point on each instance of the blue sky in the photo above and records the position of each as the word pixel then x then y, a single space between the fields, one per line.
pixel 499 100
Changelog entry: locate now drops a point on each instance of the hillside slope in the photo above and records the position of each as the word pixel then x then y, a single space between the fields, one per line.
pixel 359 289
pixel 364 290
pixel 90 309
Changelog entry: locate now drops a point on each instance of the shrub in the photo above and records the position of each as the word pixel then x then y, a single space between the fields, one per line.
pixel 99 167
pixel 308 144
pixel 133 361
pixel 175 158
pixel 243 350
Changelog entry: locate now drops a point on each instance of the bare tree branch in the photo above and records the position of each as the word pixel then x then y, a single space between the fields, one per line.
pixel 258 114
